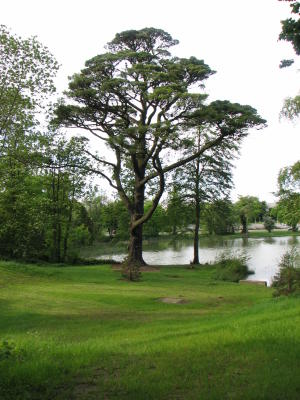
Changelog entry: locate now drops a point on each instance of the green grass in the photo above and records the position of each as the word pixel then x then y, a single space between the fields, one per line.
pixel 83 333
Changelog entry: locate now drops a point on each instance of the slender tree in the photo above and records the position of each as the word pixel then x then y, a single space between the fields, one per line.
pixel 64 183
pixel 206 179
pixel 138 100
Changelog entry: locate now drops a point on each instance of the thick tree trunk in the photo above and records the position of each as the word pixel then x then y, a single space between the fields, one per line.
pixel 131 267
pixel 136 246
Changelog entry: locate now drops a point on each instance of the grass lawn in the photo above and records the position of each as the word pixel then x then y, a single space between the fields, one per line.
pixel 84 333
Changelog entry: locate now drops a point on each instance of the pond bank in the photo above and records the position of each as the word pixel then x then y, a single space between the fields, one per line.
pixel 264 252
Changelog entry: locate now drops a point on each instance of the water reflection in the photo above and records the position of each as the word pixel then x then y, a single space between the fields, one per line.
pixel 269 240
pixel 264 253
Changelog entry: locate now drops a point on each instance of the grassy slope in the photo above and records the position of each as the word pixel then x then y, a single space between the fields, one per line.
pixel 83 333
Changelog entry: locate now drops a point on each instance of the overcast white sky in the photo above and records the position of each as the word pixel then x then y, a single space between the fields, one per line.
pixel 237 38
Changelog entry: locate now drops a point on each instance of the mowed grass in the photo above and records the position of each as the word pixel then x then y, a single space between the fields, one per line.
pixel 84 333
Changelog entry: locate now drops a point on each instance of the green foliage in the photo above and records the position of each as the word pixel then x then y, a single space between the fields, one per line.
pixel 250 209
pixel 232 267
pixel 288 207
pixel 287 280
pixel 38 172
pixel 290 28
pixel 269 223
pixel 141 102
pixel 291 108
pixel 93 204
pixel 39 206
pixel 219 217
pixel 178 211
pixel 27 70
pixel 157 223
pixel 290 32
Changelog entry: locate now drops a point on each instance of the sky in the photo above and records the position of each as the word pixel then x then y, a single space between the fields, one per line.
pixel 236 38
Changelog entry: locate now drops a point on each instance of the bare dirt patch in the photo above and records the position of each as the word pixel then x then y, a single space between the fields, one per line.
pixel 173 300
pixel 146 268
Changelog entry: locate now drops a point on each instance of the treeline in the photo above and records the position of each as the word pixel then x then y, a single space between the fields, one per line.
pixel 41 215
pixel 175 216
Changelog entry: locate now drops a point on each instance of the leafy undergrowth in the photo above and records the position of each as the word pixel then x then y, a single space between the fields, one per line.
pixel 232 267
pixel 84 333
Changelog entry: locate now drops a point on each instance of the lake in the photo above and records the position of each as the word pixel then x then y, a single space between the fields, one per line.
pixel 264 253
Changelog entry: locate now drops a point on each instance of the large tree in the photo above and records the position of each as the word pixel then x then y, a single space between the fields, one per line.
pixel 140 101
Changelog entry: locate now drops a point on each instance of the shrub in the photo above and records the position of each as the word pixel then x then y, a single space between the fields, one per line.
pixel 269 223
pixel 232 267
pixel 287 280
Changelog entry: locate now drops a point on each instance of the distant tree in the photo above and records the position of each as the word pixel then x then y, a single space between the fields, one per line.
pixel 115 218
pixel 269 223
pixel 65 185
pixel 208 178
pixel 178 212
pixel 94 202
pixel 219 217
pixel 288 207
pixel 156 223
pixel 137 99
pixel 249 209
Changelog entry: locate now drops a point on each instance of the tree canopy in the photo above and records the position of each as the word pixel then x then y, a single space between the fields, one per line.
pixel 290 32
pixel 288 207
pixel 141 102
pixel 27 69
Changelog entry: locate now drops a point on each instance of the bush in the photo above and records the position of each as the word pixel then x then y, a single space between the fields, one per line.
pixel 232 267
pixel 269 223
pixel 287 280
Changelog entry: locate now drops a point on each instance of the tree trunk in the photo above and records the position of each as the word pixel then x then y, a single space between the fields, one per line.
pixel 196 236
pixel 197 212
pixel 174 230
pixel 197 217
pixel 244 224
pixel 136 245
pixel 68 226
pixel 294 228
pixel 131 267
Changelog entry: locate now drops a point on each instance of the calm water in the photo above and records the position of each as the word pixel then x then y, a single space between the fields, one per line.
pixel 264 253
